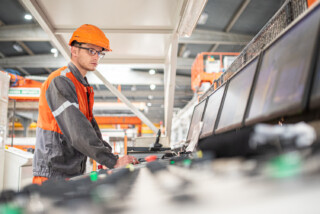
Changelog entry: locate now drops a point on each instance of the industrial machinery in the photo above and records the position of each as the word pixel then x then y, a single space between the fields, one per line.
pixel 209 66
pixel 23 89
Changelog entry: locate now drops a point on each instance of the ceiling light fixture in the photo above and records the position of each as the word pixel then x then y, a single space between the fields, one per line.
pixel 133 88
pixel 150 97
pixel 186 54
pixel 203 18
pixel 142 106
pixel 55 52
pixel 152 72
pixel 149 104
pixel 153 86
pixel 27 16
pixel 17 47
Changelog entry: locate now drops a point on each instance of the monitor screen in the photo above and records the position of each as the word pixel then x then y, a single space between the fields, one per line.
pixel 211 112
pixel 281 86
pixel 236 99
pixel 315 93
pixel 196 117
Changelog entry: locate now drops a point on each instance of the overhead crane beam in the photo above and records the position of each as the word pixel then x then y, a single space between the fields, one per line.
pixel 34 32
pixel 49 61
pixel 213 37
pixel 27 33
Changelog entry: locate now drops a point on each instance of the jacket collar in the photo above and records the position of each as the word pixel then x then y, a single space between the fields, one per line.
pixel 77 74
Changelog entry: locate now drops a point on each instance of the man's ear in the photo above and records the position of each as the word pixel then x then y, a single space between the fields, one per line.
pixel 74 51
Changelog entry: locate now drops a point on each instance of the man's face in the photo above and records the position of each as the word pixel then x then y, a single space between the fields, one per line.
pixel 85 60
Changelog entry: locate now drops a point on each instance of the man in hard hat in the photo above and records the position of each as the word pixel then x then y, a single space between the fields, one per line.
pixel 66 130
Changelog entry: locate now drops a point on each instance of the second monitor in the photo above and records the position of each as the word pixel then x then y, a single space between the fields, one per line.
pixel 211 112
pixel 236 99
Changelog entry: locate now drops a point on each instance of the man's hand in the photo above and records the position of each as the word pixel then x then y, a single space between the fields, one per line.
pixel 127 159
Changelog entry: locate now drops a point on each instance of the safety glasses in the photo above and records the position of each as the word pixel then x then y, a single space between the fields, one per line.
pixel 93 52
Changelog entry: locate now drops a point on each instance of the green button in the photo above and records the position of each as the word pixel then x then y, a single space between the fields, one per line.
pixel 93 176
pixel 285 165
pixel 172 162
pixel 9 209
pixel 187 162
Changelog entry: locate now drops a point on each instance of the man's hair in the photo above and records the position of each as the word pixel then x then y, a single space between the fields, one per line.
pixel 75 43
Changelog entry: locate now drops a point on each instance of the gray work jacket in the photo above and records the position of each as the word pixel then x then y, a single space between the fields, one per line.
pixel 64 155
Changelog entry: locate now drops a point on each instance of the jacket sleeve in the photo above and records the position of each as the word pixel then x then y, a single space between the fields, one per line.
pixel 97 129
pixel 62 99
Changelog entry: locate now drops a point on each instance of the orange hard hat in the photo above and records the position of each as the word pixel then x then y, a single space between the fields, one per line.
pixel 90 34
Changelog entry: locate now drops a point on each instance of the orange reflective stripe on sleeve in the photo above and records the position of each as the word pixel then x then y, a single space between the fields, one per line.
pixel 39 180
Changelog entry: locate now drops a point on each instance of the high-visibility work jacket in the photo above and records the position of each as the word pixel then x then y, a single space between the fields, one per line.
pixel 66 130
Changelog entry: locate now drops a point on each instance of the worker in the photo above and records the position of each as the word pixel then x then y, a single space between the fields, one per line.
pixel 67 132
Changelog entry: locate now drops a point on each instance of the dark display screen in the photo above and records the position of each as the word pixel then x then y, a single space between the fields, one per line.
pixel 196 118
pixel 211 112
pixel 236 100
pixel 315 93
pixel 286 64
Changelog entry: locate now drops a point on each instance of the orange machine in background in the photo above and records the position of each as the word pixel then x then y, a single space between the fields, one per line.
pixel 22 89
pixel 119 120
pixel 200 72
pixel 310 2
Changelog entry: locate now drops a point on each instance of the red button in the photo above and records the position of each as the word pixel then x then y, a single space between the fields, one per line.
pixel 151 158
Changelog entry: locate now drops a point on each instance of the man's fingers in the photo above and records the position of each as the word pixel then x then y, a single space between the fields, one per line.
pixel 134 160
pixel 131 159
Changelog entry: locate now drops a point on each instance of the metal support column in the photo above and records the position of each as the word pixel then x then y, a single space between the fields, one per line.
pixel 170 80
pixel 13 119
